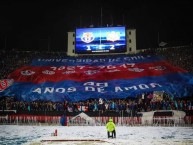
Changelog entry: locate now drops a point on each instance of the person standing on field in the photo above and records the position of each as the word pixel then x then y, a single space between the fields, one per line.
pixel 110 126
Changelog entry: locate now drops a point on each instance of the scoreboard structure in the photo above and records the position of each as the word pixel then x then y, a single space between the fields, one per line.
pixel 101 41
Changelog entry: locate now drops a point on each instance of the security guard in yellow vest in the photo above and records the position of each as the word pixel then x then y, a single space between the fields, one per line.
pixel 110 126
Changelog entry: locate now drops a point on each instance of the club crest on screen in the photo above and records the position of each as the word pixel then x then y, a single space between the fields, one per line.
pixel 113 36
pixel 87 37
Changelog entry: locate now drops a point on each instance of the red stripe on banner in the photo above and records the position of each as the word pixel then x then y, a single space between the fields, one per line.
pixel 84 73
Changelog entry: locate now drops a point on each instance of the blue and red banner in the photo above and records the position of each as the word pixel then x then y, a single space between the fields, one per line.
pixel 75 79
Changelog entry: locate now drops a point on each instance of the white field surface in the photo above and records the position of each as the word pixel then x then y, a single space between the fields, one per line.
pixel 95 135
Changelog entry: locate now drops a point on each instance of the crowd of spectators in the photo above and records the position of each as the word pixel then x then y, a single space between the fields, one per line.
pixel 143 103
pixel 11 60
pixel 180 56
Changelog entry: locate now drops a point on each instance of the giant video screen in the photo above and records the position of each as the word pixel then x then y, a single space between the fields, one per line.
pixel 100 40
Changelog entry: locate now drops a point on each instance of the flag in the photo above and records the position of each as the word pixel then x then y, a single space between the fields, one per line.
pixel 78 79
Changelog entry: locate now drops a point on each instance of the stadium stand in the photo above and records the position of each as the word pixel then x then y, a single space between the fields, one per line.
pixel 10 60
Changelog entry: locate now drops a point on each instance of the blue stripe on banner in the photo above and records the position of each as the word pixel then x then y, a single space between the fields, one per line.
pixel 177 84
pixel 116 60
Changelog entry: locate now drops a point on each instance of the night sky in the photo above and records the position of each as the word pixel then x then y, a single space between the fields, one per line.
pixel 30 24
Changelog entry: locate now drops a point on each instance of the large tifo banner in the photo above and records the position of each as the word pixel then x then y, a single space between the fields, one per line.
pixel 81 78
